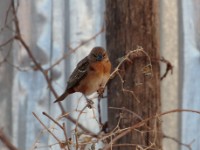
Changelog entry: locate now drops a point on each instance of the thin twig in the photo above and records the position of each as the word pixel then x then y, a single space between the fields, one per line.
pixel 132 145
pixel 6 141
pixel 61 126
pixel 46 128
pixel 99 110
pixel 65 133
pixel 124 109
pixel 169 67
pixel 7 42
pixel 129 129
pixel 44 113
pixel 7 13
pixel 177 141
pixel 132 54
pixel 72 50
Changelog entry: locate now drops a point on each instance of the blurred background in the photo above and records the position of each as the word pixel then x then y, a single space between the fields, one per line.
pixel 52 28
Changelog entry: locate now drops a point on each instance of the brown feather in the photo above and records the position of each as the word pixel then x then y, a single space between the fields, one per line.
pixel 62 97
pixel 79 73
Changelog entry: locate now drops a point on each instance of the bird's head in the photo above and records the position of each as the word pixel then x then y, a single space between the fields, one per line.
pixel 98 54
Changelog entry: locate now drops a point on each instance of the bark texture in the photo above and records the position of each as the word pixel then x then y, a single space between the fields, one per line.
pixel 130 23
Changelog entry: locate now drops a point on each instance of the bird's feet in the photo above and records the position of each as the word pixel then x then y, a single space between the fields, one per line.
pixel 89 103
pixel 100 92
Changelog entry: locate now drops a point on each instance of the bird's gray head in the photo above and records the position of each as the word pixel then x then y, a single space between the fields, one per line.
pixel 98 54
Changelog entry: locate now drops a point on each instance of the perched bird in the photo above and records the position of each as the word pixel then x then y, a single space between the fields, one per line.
pixel 90 75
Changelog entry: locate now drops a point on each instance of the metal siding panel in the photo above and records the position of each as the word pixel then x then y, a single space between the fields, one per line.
pixel 190 87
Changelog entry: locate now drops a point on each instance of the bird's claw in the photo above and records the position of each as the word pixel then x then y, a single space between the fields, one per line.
pixel 89 103
pixel 100 92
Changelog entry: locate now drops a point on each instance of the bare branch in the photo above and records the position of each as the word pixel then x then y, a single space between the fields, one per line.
pixel 127 110
pixel 46 128
pixel 6 141
pixel 72 50
pixel 129 129
pixel 7 13
pixel 169 67
pixel 7 42
pixel 177 141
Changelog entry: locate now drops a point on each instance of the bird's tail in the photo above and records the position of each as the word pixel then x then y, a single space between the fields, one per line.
pixel 62 97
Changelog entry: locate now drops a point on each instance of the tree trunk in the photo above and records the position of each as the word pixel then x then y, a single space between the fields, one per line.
pixel 130 23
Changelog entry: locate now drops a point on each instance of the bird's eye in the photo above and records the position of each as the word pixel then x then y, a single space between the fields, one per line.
pixel 99 57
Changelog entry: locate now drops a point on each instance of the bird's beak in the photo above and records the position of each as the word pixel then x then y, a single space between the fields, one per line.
pixel 99 57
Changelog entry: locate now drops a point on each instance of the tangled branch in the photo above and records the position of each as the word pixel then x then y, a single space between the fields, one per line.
pixel 108 139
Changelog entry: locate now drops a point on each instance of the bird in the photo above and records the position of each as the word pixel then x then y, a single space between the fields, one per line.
pixel 90 75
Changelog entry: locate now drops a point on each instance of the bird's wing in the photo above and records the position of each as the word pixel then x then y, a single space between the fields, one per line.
pixel 79 73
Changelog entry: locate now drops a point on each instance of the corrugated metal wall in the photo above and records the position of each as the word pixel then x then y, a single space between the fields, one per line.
pixel 169 86
pixel 6 72
pixel 52 28
pixel 190 71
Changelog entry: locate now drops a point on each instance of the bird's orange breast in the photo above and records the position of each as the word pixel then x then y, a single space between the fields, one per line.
pixel 97 76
